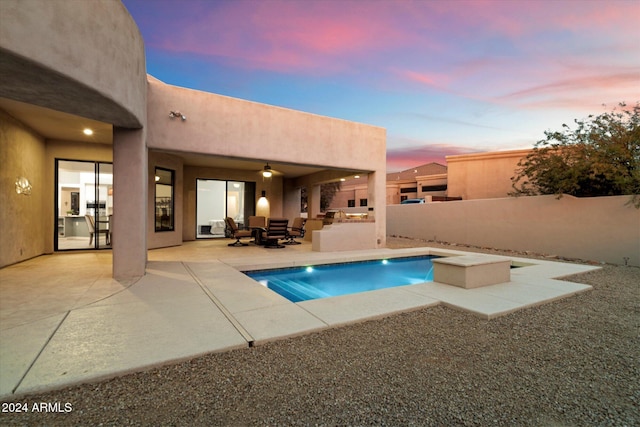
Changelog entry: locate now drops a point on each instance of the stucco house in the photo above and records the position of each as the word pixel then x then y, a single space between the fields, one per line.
pixel 420 182
pixel 151 151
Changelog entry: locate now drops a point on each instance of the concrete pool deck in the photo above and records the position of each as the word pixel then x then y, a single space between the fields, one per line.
pixel 63 320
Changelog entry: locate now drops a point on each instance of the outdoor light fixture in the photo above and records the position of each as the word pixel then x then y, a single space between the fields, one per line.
pixel 87 131
pixel 23 186
pixel 266 172
pixel 174 114
pixel 262 206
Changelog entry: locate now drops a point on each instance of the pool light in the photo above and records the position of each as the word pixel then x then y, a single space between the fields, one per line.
pixel 309 269
pixel 385 262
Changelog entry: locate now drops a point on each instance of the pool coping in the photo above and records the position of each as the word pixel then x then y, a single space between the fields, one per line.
pixel 535 282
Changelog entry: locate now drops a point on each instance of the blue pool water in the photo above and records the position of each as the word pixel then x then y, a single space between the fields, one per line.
pixel 322 281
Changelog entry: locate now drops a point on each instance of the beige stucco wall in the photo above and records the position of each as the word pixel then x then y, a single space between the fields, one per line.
pixel 22 224
pixel 80 57
pixel 225 126
pixel 233 127
pixel 130 189
pixel 482 175
pixel 602 229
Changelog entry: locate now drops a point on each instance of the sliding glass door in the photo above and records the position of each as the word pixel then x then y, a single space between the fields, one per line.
pixel 217 199
pixel 84 205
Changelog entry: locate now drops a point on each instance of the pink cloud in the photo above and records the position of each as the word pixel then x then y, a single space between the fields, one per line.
pixel 516 19
pixel 285 35
pixel 436 80
pixel 502 52
pixel 331 36
pixel 580 93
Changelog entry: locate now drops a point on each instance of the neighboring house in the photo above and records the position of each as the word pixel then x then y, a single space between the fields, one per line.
pixel 156 150
pixel 426 181
pixel 466 177
pixel 422 182
pixel 483 175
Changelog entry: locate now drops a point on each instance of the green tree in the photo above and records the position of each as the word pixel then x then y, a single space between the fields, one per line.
pixel 327 193
pixel 600 156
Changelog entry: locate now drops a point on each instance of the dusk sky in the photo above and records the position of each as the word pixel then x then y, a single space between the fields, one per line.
pixel 443 77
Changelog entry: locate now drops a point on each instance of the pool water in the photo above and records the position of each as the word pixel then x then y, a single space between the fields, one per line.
pixel 329 280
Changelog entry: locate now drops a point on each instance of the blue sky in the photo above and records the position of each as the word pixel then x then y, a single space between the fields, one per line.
pixel 443 77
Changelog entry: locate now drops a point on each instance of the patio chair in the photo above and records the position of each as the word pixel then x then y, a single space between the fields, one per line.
pixel 236 233
pixel 91 225
pixel 276 230
pixel 328 218
pixel 257 222
pixel 296 230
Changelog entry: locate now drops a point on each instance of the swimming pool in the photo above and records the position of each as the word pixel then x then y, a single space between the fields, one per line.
pixel 329 280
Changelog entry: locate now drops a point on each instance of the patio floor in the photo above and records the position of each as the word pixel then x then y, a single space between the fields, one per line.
pixel 64 320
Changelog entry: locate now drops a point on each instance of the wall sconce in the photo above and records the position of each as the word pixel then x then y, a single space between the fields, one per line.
pixel 266 172
pixel 174 114
pixel 23 186
pixel 262 207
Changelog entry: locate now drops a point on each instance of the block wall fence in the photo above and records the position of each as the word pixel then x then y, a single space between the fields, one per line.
pixel 600 229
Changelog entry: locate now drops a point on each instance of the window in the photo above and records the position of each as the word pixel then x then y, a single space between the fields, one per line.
pixel 409 190
pixel 351 203
pixel 164 210
pixel 84 204
pixel 363 202
pixel 403 198
pixel 217 199
pixel 426 188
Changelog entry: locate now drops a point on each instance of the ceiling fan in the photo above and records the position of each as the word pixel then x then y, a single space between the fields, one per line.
pixel 267 171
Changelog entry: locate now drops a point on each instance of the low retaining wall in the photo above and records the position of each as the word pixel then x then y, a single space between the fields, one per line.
pixel 345 235
pixel 601 229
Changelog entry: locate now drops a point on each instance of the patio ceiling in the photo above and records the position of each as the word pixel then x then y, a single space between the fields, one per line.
pixel 288 170
pixel 52 124
pixel 56 125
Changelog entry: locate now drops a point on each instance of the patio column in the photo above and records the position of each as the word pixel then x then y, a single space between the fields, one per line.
pixel 313 201
pixel 377 200
pixel 292 197
pixel 130 183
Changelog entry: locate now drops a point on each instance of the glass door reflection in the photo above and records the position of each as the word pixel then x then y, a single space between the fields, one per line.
pixel 84 205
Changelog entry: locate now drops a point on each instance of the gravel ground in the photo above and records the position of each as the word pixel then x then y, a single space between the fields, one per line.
pixel 569 363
